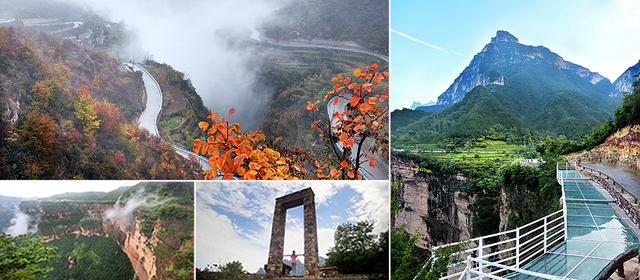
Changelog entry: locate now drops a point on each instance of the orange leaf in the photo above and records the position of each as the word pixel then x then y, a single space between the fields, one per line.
pixel 335 101
pixel 343 136
pixel 357 72
pixel 349 142
pixel 231 111
pixel 367 87
pixel 333 172
pixel 203 125
pixel 365 107
pixel 196 146
pixel 309 106
pixel 377 79
pixel 372 161
pixel 344 164
pixel 353 101
pixel 213 116
pixel 373 67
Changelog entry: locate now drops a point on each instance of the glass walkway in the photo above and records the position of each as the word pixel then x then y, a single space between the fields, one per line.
pixel 581 241
pixel 595 234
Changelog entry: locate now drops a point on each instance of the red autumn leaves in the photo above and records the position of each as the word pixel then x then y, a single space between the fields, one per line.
pixel 360 125
pixel 363 118
pixel 234 154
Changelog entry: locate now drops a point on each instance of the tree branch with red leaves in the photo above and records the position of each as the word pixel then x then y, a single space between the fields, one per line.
pixel 358 131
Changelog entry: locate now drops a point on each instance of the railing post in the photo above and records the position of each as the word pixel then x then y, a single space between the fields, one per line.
pixel 469 267
pixel 480 254
pixel 518 247
pixel 545 234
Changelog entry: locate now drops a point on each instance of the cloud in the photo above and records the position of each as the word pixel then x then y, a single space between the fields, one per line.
pixel 372 206
pixel 218 242
pixel 430 45
pixel 200 38
pixel 123 214
pixel 19 224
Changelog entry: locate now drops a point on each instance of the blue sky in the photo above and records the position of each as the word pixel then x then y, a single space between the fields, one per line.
pixel 600 35
pixel 233 219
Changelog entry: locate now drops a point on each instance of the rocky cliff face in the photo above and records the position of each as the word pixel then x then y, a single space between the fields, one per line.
pixel 139 248
pixel 429 208
pixel 621 149
pixel 503 57
pixel 58 219
pixel 624 83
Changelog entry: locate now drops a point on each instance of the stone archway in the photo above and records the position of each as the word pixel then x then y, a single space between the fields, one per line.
pixel 306 198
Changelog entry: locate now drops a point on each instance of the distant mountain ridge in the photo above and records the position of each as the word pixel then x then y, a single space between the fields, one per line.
pixel 624 83
pixel 416 104
pixel 511 86
pixel 505 56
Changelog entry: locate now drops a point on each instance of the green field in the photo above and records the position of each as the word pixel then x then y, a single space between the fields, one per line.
pixel 473 153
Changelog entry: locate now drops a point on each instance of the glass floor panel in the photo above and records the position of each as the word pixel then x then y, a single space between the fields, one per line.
pixel 619 235
pixel 610 250
pixel 578 211
pixel 580 221
pixel 554 264
pixel 576 247
pixel 584 233
pixel 596 212
pixel 608 222
pixel 588 269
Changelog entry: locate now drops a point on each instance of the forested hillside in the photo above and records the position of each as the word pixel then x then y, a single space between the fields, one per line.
pixel 85 257
pixel 70 112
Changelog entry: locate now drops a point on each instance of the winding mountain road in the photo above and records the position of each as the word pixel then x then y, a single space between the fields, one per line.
pixel 149 117
pixel 302 45
pixel 381 171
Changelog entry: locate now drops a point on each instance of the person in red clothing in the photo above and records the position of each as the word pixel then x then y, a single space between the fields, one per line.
pixel 293 262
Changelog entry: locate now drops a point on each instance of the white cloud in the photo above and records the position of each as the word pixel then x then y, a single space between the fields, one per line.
pixel 373 206
pixel 217 242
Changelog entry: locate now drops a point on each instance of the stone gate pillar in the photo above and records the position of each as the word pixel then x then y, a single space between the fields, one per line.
pixel 304 198
pixel 310 238
pixel 274 265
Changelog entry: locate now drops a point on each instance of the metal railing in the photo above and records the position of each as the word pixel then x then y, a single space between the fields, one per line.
pixel 499 254
pixel 473 273
pixel 630 207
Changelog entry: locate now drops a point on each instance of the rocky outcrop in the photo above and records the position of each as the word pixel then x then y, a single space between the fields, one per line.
pixel 624 83
pixel 620 149
pixel 139 249
pixel 429 207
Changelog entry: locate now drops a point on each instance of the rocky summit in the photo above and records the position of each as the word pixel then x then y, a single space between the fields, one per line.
pixel 505 57
pixel 624 83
